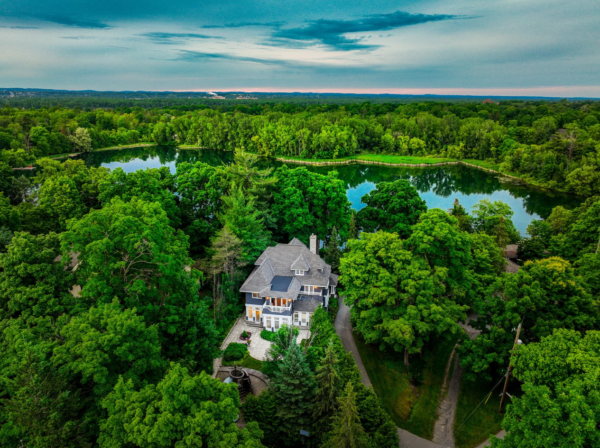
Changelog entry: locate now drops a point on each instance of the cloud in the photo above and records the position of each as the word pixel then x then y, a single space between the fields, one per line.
pixel 331 32
pixel 78 37
pixel 21 27
pixel 186 55
pixel 71 21
pixel 242 24
pixel 175 38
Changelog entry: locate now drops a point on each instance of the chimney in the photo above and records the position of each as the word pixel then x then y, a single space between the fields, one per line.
pixel 313 244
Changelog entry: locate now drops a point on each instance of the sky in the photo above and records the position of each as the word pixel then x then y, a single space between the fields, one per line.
pixel 468 47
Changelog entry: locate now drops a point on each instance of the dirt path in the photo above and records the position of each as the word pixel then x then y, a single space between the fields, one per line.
pixel 443 430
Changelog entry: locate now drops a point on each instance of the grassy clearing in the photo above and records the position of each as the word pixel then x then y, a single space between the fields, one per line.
pixel 485 421
pixel 247 361
pixel 413 408
pixel 383 158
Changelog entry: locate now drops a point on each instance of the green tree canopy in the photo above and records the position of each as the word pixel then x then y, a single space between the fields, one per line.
pixel 306 202
pixel 181 410
pixel 128 251
pixel 391 207
pixel 397 299
pixel 495 219
pixel 544 295
pixel 142 184
pixel 561 401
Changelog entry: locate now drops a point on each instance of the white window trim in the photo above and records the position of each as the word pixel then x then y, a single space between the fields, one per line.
pixel 256 295
pixel 298 272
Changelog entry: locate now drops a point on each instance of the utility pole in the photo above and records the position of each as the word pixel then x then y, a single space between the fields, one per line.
pixel 509 368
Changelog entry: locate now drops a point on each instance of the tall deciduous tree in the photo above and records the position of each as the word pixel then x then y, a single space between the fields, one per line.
pixel 543 295
pixel 307 203
pixel 391 207
pixel 494 219
pixel 561 400
pixel 130 252
pixel 195 410
pixel 398 300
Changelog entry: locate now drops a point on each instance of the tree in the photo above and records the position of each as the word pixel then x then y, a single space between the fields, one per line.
pixel 494 219
pixel 538 243
pixel 45 409
pixel 128 251
pixel 332 250
pixel 559 407
pixel 60 201
pixel 108 343
pixel 397 299
pixel 583 236
pixel 142 184
pixel 306 202
pixel 325 401
pixel 6 237
pixel 245 221
pixel 352 227
pixel 200 191
pixel 392 207
pixel 6 179
pixel 544 295
pixel 34 282
pixel 437 238
pixel 20 190
pixel 347 430
pixel 460 213
pixel 81 141
pixel 293 386
pixel 194 410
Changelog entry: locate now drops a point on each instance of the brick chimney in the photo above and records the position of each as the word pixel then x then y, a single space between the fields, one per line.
pixel 314 247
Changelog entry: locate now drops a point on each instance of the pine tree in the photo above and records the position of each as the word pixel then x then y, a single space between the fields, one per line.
pixel 325 402
pixel 293 385
pixel 352 229
pixel 332 255
pixel 347 429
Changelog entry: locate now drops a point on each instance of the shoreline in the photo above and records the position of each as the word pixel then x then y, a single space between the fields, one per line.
pixel 347 161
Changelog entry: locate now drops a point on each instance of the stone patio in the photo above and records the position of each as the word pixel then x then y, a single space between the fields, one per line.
pixel 258 346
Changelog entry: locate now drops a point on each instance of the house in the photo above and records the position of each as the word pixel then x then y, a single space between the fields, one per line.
pixel 289 282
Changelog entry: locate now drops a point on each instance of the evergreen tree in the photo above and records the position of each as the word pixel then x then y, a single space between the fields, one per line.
pixel 332 253
pixel 464 220
pixel 352 228
pixel 293 385
pixel 325 402
pixel 347 430
pixel 245 221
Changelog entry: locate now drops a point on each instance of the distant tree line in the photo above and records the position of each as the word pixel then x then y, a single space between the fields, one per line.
pixel 553 144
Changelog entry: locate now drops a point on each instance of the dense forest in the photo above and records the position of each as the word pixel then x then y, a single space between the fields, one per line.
pixel 117 289
pixel 551 144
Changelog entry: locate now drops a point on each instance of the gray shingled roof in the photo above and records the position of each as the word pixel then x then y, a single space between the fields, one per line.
pixel 300 264
pixel 333 279
pixel 307 303
pixel 278 261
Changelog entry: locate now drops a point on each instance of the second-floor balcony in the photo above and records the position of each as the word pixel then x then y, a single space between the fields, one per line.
pixel 278 305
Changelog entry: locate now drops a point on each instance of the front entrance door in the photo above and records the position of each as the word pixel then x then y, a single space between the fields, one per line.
pixel 257 315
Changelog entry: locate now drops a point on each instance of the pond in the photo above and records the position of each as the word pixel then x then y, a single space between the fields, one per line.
pixel 438 186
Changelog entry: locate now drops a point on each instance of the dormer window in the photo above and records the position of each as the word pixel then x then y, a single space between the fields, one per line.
pixel 298 272
pixel 256 295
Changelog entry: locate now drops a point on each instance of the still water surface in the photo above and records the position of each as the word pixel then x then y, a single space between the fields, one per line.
pixel 438 186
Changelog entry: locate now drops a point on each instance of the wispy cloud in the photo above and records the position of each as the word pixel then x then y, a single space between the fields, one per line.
pixel 71 21
pixel 78 37
pixel 242 24
pixel 175 38
pixel 186 55
pixel 21 27
pixel 331 32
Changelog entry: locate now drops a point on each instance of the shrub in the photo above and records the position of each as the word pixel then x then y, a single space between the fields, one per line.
pixel 267 335
pixel 235 351
pixel 245 335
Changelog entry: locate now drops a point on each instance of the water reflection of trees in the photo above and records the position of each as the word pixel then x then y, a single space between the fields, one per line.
pixel 447 180
pixel 444 181
pixel 165 155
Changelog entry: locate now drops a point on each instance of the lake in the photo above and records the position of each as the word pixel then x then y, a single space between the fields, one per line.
pixel 438 185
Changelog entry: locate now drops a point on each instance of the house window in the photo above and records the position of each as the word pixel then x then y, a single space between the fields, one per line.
pixel 249 311
pixel 297 272
pixel 309 289
pixel 296 318
pixel 256 295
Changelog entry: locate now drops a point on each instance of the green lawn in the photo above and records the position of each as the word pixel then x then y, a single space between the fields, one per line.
pixel 485 420
pixel 385 158
pixel 247 361
pixel 411 408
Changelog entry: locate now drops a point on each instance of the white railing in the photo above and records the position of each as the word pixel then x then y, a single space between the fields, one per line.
pixel 278 309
